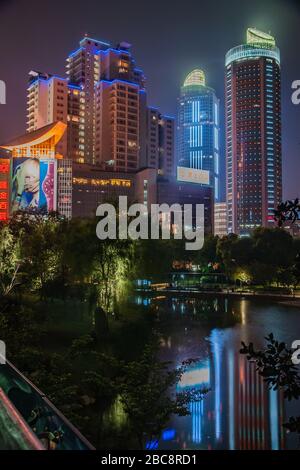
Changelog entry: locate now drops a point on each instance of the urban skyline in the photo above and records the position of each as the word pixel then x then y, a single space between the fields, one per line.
pixel 103 103
pixel 149 229
pixel 174 69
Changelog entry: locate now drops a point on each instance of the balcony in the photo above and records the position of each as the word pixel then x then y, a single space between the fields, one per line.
pixel 28 420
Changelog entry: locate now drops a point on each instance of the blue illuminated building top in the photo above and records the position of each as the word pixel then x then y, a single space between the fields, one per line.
pixel 250 51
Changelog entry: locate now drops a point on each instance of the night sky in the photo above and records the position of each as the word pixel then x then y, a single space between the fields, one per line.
pixel 169 39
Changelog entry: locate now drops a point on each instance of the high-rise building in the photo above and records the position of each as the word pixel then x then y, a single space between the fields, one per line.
pixel 103 101
pixel 109 131
pixel 51 99
pixel 198 127
pixel 73 130
pixel 120 110
pixel 220 219
pixel 253 133
pixel 47 102
pixel 112 104
pixel 83 70
pixel 160 142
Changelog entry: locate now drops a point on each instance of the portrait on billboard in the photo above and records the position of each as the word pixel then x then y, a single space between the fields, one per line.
pixel 33 185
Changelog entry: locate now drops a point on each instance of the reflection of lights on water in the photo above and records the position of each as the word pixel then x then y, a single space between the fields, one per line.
pixel 166 343
pixel 274 421
pixel 139 300
pixel 231 398
pixel 217 349
pixel 243 311
pixel 195 377
pixel 196 410
pixel 152 445
pixel 168 435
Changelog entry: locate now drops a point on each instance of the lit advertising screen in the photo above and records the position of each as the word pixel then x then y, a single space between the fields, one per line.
pixel 192 175
pixel 33 185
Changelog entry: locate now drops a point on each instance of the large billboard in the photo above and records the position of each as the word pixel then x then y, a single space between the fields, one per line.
pixel 34 184
pixel 192 175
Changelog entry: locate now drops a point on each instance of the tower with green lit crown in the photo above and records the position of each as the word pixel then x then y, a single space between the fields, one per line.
pixel 253 133
pixel 198 127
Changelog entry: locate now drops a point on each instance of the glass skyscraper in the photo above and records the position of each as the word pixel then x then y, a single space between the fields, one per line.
pixel 198 127
pixel 253 133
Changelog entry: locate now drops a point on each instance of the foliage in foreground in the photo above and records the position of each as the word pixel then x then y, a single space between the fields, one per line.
pixel 275 365
pixel 145 394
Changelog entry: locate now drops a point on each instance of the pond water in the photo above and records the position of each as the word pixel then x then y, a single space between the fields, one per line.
pixel 239 412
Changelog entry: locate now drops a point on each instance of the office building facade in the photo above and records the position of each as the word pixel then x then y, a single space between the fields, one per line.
pixel 253 133
pixel 160 142
pixel 47 102
pixel 220 219
pixel 198 128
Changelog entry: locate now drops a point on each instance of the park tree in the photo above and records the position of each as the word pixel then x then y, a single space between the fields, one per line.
pixel 79 242
pixel 40 248
pixel 225 253
pixel 208 255
pixel 10 262
pixel 287 211
pixel 154 258
pixel 111 270
pixel 148 397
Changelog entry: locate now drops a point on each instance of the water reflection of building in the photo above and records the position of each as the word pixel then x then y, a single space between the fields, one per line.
pixel 197 377
pixel 239 412
pixel 255 413
pixel 246 416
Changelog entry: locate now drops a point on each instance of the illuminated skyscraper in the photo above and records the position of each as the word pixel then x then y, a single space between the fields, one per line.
pixel 112 105
pixel 198 127
pixel 253 133
pixel 83 70
pixel 120 110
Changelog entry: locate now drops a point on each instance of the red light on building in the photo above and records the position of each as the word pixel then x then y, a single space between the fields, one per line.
pixel 4 167
pixel 4 189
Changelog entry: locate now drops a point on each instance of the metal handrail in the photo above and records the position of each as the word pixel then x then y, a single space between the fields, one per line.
pixel 69 436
